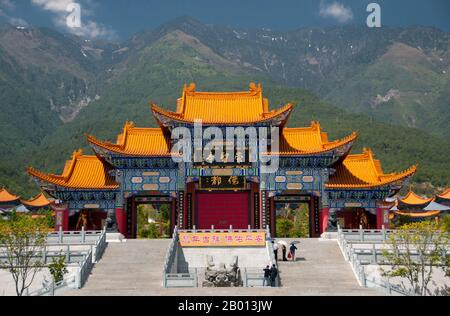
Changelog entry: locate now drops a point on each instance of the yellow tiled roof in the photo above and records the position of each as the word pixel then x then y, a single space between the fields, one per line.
pixel 418 214
pixel 363 171
pixel 6 197
pixel 445 195
pixel 222 107
pixel 309 140
pixel 137 142
pixel 413 199
pixel 38 201
pixel 82 172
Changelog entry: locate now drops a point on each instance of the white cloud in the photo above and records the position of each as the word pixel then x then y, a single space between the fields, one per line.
pixel 336 11
pixel 6 10
pixel 7 4
pixel 89 28
pixel 56 6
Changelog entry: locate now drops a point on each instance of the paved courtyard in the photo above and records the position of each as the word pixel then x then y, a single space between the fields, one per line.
pixel 135 268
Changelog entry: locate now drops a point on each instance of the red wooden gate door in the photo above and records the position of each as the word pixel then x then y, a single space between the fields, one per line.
pixel 223 209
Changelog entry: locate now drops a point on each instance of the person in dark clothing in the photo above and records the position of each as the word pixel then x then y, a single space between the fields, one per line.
pixel 284 250
pixel 273 275
pixel 267 273
pixel 292 251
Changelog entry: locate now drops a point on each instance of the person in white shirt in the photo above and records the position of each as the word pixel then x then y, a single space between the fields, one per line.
pixel 275 250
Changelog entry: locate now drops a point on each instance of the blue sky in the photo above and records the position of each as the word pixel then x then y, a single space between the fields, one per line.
pixel 119 19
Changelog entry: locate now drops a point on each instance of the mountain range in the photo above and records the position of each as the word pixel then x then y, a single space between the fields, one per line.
pixel 391 85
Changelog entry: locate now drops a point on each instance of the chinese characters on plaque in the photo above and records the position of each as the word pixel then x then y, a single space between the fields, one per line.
pixel 223 239
pixel 223 183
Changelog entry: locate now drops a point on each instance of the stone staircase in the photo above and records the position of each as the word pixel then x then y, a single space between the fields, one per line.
pixel 319 269
pixel 135 268
pixel 130 268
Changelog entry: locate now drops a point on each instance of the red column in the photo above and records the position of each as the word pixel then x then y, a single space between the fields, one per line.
pixel 121 219
pixel 61 217
pixel 324 219
pixel 379 218
pixel 252 204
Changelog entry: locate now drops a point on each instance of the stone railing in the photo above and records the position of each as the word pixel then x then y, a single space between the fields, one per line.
pixel 84 259
pixel 362 248
pixel 364 235
pixel 73 237
pixel 171 277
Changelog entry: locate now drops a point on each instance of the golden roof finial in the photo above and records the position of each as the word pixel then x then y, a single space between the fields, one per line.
pixel 128 125
pixel 315 125
pixel 77 153
pixel 255 88
pixel 191 87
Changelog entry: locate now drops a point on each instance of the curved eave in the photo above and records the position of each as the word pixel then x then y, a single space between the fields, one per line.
pixel 8 197
pixel 417 214
pixel 60 181
pixel 345 143
pixel 415 200
pixel 444 195
pixel 118 149
pixel 168 116
pixel 38 201
pixel 384 181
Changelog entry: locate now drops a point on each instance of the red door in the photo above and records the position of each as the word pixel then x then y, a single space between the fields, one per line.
pixel 222 210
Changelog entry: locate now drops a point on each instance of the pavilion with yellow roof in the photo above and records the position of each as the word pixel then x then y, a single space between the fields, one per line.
pixel 138 168
pixel 9 201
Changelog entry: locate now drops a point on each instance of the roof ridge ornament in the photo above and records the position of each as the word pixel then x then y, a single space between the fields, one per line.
pixel 190 90
pixel 77 153
pixel 315 125
pixel 254 88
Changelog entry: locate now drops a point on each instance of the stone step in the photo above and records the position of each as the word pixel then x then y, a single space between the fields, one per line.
pixel 135 268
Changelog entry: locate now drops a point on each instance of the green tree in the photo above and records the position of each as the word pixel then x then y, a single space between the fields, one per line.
pixel 48 217
pixel 21 238
pixel 153 231
pixel 414 252
pixel 58 268
pixel 284 227
pixel 445 222
pixel 301 223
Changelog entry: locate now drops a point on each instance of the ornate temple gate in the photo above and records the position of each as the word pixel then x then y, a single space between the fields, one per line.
pixel 140 165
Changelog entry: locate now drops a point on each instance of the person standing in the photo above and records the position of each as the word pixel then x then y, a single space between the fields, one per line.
pixel 284 250
pixel 275 250
pixel 267 273
pixel 292 250
pixel 273 275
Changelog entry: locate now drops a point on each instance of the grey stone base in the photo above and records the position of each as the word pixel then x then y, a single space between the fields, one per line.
pixel 329 236
pixel 115 237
